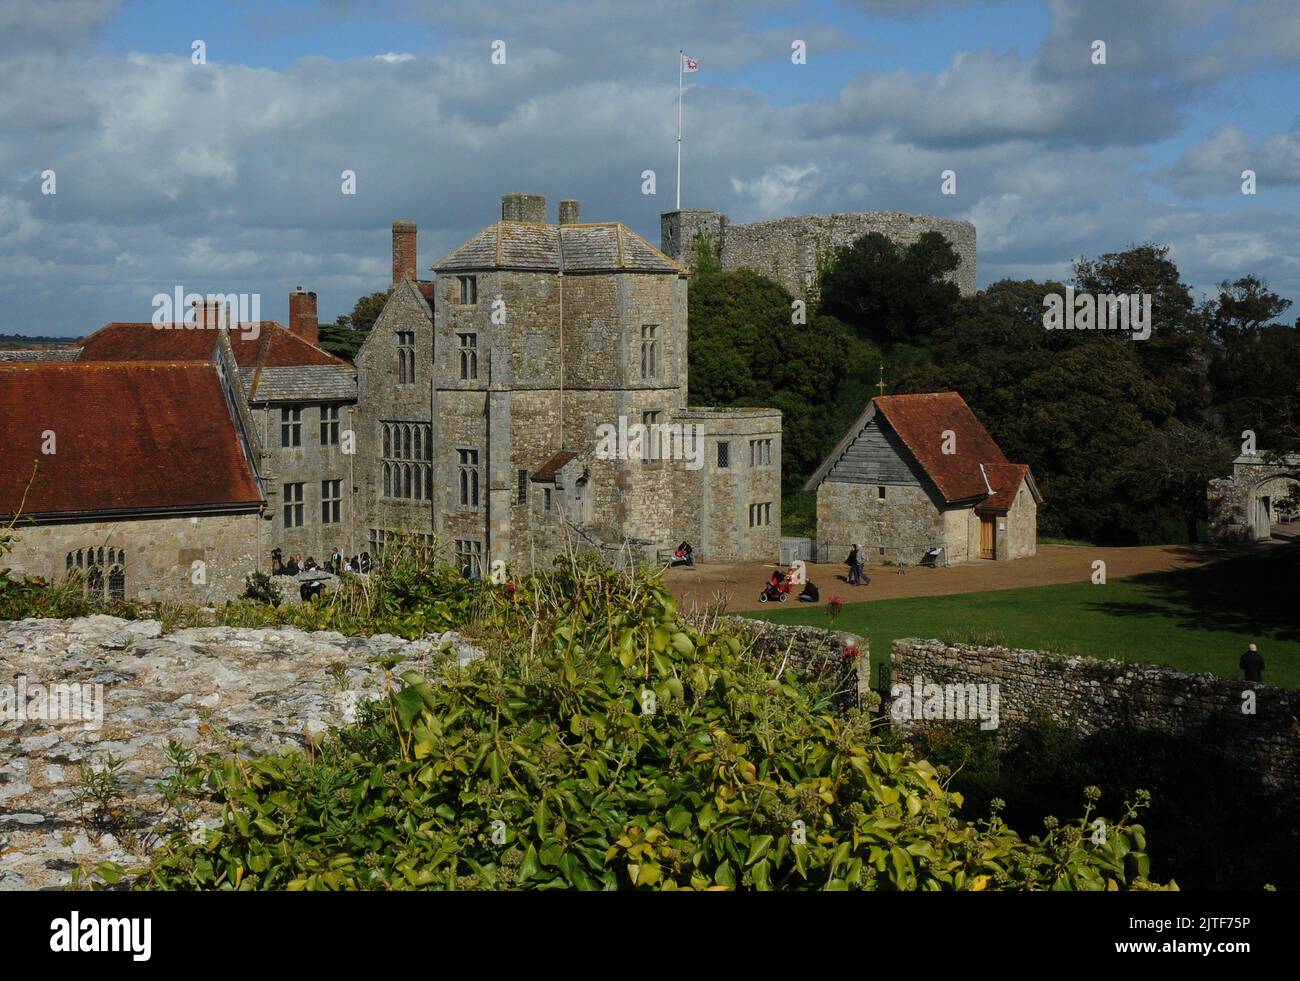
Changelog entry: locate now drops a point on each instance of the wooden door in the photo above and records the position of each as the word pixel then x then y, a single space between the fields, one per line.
pixel 988 538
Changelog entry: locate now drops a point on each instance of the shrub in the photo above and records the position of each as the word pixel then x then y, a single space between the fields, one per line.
pixel 261 588
pixel 605 744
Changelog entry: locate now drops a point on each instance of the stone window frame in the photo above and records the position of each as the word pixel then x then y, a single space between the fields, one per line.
pixel 723 457
pixel 290 426
pixel 406 460
pixel 882 493
pixel 468 351
pixel 105 568
pixel 650 360
pixel 293 504
pixel 521 497
pixel 469 477
pixel 650 442
pixel 331 502
pixel 469 551
pixel 760 515
pixel 466 291
pixel 405 340
pixel 546 499
pixel 760 452
pixel 329 424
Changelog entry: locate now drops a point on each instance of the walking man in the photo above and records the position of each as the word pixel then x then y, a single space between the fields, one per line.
pixel 854 562
pixel 1253 665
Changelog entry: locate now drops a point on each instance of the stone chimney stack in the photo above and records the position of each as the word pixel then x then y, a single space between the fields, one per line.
pixel 302 316
pixel 207 314
pixel 524 207
pixel 568 212
pixel 404 251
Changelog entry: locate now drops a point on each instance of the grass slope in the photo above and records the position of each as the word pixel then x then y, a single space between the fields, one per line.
pixel 1194 620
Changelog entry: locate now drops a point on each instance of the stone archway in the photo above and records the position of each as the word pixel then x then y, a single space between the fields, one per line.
pixel 1262 502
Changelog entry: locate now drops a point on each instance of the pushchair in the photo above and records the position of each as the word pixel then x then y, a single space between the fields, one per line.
pixel 775 591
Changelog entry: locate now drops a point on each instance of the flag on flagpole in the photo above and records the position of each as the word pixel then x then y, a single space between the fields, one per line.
pixel 690 65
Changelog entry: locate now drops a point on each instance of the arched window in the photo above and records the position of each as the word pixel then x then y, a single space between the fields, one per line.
pixel 95 582
pixel 117 583
pixel 428 483
pixel 406 478
pixel 80 562
pixel 418 451
pixel 69 561
pixel 101 555
pixel 388 479
pixel 406 442
pixel 388 440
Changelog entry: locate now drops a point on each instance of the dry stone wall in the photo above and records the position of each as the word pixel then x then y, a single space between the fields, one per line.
pixel 1086 696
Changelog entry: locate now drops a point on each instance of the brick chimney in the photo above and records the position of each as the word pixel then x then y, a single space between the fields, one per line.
pixel 302 316
pixel 207 315
pixel 568 212
pixel 404 251
pixel 524 207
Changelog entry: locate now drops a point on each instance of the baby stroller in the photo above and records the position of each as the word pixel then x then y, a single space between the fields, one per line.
pixel 777 590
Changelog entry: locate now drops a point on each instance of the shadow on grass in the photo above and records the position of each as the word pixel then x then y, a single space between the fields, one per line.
pixel 1256 593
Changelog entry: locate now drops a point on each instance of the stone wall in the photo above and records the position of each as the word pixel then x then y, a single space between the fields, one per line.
pixel 1087 696
pixel 901 527
pixel 790 250
pixel 1234 502
pixel 266 689
pixel 160 553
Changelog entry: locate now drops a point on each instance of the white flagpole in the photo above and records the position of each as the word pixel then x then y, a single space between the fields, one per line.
pixel 680 56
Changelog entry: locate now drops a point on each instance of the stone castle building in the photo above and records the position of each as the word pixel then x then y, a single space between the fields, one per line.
pixel 483 394
pixel 477 415
pixel 793 250
pixel 917 472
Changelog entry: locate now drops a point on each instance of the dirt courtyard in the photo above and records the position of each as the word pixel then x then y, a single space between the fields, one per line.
pixel 739 584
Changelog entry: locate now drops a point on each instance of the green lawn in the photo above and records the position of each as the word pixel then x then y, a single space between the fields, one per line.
pixel 1195 620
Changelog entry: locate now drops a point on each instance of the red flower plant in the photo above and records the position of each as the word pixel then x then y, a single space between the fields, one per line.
pixel 834 606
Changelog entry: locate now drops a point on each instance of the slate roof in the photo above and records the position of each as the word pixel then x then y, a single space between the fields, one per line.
pixel 577 248
pixel 43 354
pixel 978 470
pixel 299 384
pixel 145 342
pixel 130 436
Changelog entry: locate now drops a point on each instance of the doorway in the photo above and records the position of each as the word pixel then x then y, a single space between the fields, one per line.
pixel 988 538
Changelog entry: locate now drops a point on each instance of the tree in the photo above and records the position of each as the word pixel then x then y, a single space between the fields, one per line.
pixel 1172 466
pixel 886 293
pixel 367 310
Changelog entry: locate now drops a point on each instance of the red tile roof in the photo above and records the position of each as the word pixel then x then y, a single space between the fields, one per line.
pixel 1005 479
pixel 921 421
pixel 128 436
pixel 145 342
pixel 548 470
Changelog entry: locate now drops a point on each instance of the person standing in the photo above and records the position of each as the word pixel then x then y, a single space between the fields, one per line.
pixel 1252 664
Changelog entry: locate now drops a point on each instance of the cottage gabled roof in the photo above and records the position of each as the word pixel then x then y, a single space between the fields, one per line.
pixel 576 248
pixel 146 342
pixel 976 470
pixel 128 437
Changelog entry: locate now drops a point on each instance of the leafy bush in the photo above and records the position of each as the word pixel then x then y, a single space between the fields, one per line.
pixel 261 588
pixel 604 743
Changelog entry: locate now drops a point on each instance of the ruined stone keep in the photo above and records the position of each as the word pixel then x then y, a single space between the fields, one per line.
pixel 792 250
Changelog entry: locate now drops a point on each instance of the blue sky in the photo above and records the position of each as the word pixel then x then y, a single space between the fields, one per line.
pixel 225 177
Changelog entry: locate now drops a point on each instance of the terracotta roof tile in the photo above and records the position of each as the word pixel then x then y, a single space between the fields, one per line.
pixel 128 436
pixel 921 421
pixel 1005 479
pixel 547 471
pixel 145 342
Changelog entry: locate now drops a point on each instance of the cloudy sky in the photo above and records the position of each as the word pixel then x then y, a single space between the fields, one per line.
pixel 225 176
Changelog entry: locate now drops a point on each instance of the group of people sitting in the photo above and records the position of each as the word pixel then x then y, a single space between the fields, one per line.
pixel 337 563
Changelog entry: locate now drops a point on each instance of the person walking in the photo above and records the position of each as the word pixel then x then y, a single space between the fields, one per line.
pixel 854 562
pixel 1252 664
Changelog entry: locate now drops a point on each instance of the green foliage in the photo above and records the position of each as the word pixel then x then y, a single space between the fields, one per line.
pixel 545 765
pixel 261 588
pixel 886 293
pixel 744 351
